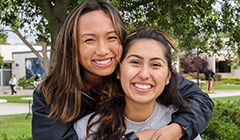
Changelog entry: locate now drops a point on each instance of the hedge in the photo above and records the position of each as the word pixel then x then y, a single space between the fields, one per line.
pixel 224 123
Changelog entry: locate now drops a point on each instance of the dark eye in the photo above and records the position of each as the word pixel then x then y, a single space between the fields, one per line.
pixel 156 65
pixel 112 37
pixel 135 62
pixel 87 40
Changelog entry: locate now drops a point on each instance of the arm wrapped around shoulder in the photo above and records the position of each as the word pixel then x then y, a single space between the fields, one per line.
pixel 193 119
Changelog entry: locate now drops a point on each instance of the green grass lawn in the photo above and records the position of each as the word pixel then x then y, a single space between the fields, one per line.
pixel 16 99
pixel 15 126
pixel 223 87
pixel 226 99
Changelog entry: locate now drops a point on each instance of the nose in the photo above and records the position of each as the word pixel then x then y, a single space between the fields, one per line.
pixel 102 48
pixel 144 72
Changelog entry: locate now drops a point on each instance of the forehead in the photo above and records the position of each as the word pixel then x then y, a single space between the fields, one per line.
pixel 95 21
pixel 147 47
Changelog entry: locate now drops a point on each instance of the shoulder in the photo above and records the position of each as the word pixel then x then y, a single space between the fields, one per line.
pixel 183 82
pixel 38 97
pixel 82 121
pixel 80 126
pixel 38 91
pixel 165 109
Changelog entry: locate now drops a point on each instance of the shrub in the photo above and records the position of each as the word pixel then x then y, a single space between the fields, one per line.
pixel 217 77
pixel 231 78
pixel 194 75
pixel 22 81
pixel 189 78
pixel 236 82
pixel 188 62
pixel 224 124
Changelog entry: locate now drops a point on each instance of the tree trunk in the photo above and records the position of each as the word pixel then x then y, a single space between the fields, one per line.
pixel 43 59
pixel 56 16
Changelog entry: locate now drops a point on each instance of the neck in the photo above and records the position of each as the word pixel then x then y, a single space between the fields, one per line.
pixel 93 79
pixel 138 112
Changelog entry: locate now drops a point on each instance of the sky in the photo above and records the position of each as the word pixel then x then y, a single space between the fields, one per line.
pixel 13 39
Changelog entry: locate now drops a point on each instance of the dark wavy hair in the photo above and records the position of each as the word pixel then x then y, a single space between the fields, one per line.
pixel 63 85
pixel 111 120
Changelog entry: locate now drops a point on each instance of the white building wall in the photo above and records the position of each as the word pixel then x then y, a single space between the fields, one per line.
pixel 6 50
pixel 236 73
pixel 16 54
pixel 19 58
pixel 211 63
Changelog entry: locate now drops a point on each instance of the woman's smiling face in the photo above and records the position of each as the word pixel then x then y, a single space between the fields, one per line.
pixel 99 46
pixel 144 71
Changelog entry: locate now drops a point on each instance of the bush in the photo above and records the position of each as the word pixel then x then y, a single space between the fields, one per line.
pixel 194 75
pixel 224 124
pixel 188 62
pixel 217 77
pixel 236 82
pixel 23 82
pixel 230 80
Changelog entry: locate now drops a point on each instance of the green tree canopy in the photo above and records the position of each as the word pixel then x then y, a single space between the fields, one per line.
pixel 190 22
pixel 3 36
pixel 1 60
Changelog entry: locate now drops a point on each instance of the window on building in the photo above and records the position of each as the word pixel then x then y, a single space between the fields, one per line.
pixel 6 77
pixel 222 67
pixel 7 66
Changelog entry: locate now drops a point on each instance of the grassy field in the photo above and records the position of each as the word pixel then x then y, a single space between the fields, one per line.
pixel 16 99
pixel 224 87
pixel 15 126
pixel 226 99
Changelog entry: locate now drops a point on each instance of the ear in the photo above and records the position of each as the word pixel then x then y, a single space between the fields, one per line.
pixel 118 75
pixel 118 71
pixel 168 78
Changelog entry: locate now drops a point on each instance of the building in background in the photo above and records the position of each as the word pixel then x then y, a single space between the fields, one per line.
pixel 21 61
pixel 220 65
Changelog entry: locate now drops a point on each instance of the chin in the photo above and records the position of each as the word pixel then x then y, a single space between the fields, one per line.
pixel 106 73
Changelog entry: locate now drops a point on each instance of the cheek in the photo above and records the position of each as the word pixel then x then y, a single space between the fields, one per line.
pixel 160 76
pixel 86 51
pixel 127 73
pixel 117 50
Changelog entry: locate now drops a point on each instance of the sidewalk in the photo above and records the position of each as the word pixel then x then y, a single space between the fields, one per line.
pixel 224 93
pixel 14 108
pixel 7 92
pixel 19 108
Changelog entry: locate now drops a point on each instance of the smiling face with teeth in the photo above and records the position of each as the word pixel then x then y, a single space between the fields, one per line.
pixel 99 46
pixel 144 72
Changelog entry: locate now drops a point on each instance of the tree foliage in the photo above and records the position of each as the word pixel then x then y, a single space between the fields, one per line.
pixel 3 36
pixel 1 60
pixel 188 21
pixel 191 22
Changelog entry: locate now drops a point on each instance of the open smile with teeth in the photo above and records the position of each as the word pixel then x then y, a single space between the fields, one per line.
pixel 142 86
pixel 102 62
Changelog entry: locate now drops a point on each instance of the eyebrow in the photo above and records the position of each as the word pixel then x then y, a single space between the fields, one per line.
pixel 140 57
pixel 90 34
